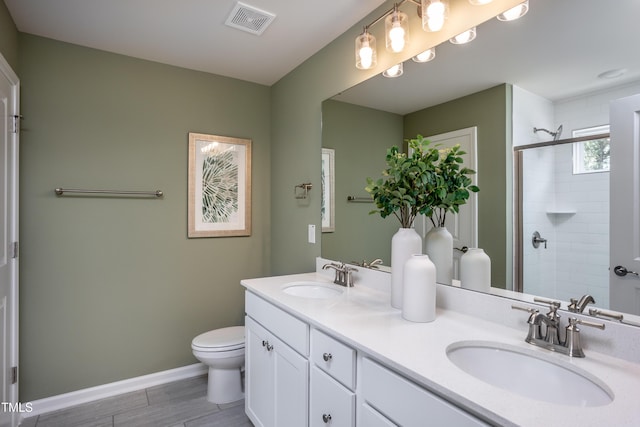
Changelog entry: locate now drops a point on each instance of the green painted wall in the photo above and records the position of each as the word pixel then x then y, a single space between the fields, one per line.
pixel 8 37
pixel 112 288
pixel 360 137
pixel 490 111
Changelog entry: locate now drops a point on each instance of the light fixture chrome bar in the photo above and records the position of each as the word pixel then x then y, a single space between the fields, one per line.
pixel 62 191
pixel 384 15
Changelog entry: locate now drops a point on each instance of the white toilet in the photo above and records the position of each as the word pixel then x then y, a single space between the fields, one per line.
pixel 222 350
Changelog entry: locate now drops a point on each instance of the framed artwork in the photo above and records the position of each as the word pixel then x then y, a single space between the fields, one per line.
pixel 219 186
pixel 328 190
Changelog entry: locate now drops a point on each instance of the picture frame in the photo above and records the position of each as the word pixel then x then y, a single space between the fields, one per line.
pixel 327 208
pixel 219 186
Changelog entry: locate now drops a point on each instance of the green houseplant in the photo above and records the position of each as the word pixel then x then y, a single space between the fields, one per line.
pixel 429 181
pixel 408 182
pixel 453 185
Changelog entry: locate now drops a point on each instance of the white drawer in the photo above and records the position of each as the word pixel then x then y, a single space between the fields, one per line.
pixel 406 403
pixel 369 417
pixel 331 404
pixel 334 357
pixel 289 329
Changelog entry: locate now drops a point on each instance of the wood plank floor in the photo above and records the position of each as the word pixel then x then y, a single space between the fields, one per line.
pixel 177 404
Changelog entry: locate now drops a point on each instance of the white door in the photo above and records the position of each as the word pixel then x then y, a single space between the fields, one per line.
pixel 464 225
pixel 8 235
pixel 624 289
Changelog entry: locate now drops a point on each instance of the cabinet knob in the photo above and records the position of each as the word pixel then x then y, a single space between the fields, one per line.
pixel 326 418
pixel 266 344
pixel 327 357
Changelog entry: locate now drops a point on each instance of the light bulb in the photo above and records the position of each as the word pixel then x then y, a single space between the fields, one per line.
pixel 366 57
pixel 397 37
pixel 365 53
pixel 434 13
pixel 436 24
pixel 425 56
pixel 465 37
pixel 435 9
pixel 395 71
pixel 515 12
pixel 397 31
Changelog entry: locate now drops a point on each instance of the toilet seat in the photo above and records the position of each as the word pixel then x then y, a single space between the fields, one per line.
pixel 224 339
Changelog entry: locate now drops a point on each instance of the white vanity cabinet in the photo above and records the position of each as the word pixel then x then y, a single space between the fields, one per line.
pixel 277 368
pixel 333 381
pixel 389 399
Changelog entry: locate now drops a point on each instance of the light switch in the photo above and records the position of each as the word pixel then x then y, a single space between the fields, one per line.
pixel 312 233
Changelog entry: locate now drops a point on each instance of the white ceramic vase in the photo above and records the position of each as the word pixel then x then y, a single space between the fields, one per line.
pixel 419 295
pixel 475 270
pixel 404 243
pixel 438 244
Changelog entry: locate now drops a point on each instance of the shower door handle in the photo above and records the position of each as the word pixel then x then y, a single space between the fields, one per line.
pixel 622 271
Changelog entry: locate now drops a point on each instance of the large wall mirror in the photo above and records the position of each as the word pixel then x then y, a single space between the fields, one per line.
pixel 560 64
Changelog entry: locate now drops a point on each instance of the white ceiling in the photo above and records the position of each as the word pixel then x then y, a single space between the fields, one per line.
pixel 556 51
pixel 192 33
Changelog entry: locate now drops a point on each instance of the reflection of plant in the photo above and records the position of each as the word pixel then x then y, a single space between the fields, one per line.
pixel 453 185
pixel 409 182
pixel 428 182
pixel 219 187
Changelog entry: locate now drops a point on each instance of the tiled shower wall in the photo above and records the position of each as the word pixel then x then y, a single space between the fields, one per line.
pixel 570 211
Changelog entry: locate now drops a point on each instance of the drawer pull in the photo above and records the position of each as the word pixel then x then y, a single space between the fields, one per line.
pixel 326 418
pixel 266 344
pixel 326 357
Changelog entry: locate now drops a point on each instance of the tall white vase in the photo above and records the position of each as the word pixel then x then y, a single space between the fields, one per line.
pixel 475 270
pixel 438 244
pixel 419 295
pixel 404 243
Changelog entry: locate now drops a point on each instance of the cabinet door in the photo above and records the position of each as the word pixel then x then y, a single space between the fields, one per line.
pixel 259 375
pixel 331 403
pixel 291 386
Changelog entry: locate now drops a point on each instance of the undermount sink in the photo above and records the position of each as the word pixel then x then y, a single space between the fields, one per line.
pixel 311 289
pixel 529 374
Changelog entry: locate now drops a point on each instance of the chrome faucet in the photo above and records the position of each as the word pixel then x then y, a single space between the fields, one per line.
pixel 373 264
pixel 578 306
pixel 551 339
pixel 343 273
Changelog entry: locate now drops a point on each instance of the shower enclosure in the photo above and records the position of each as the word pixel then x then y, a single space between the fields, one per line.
pixel 562 217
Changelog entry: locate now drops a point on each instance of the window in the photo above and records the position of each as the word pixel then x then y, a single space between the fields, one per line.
pixel 593 155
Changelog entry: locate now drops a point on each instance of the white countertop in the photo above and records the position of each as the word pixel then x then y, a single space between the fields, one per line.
pixel 363 318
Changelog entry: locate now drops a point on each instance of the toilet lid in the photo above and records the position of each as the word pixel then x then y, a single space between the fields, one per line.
pixel 230 338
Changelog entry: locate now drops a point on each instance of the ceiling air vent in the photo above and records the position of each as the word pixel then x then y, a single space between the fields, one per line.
pixel 250 19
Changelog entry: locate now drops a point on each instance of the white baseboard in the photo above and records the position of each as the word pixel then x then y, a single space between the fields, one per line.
pixel 66 400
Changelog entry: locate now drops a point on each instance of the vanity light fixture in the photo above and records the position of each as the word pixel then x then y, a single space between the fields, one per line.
pixel 434 14
pixel 397 30
pixel 366 55
pixel 479 2
pixel 395 71
pixel 425 56
pixel 464 37
pixel 515 12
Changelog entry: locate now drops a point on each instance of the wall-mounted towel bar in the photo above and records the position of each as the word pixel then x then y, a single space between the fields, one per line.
pixel 156 193
pixel 354 199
